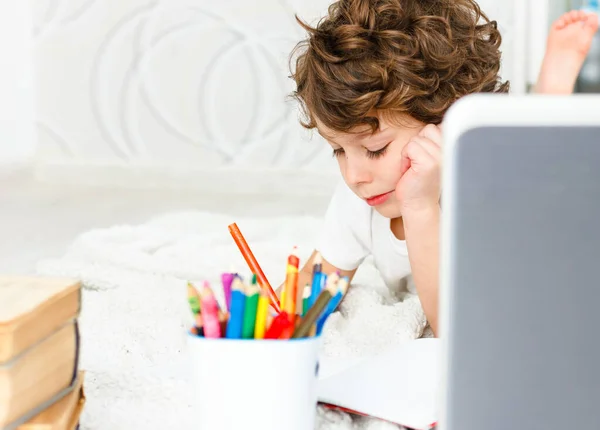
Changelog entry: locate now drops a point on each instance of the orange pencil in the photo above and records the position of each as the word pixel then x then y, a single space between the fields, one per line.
pixel 291 284
pixel 253 265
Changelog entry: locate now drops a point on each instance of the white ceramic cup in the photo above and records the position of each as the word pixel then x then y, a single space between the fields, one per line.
pixel 254 384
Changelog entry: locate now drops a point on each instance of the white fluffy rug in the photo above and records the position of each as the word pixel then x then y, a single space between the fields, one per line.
pixel 135 311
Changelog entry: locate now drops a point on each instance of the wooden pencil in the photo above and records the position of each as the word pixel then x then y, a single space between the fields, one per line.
pixel 223 319
pixel 194 302
pixel 317 276
pixel 236 315
pixel 278 326
pixel 210 312
pixel 226 280
pixel 193 298
pixel 250 308
pixel 246 252
pixel 262 315
pixel 291 284
pixel 342 288
pixel 306 298
pixel 315 310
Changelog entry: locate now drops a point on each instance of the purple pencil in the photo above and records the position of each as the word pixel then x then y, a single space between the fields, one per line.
pixel 226 280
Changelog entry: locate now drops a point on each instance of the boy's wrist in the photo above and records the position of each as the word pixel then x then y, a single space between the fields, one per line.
pixel 422 212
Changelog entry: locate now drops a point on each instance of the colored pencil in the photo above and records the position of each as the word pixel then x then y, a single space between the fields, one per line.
pixel 283 296
pixel 210 312
pixel 252 292
pixel 288 330
pixel 223 318
pixel 197 331
pixel 193 299
pixel 262 315
pixel 342 287
pixel 322 282
pixel 253 264
pixel 226 280
pixel 291 284
pixel 315 311
pixel 278 326
pixel 270 317
pixel 236 315
pixel 316 279
pixel 194 302
pixel 306 299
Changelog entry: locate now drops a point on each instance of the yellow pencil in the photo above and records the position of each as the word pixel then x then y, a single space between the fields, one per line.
pixel 282 297
pixel 262 312
pixel 291 284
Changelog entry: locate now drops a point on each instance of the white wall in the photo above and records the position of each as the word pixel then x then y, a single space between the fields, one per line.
pixel 174 85
pixel 187 84
pixel 17 140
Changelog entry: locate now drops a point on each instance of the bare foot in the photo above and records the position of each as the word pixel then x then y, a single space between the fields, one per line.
pixel 568 44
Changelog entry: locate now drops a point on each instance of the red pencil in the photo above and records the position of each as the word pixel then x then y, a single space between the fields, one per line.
pixel 253 265
pixel 280 324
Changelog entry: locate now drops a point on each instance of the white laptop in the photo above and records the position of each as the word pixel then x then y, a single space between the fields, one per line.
pixel 520 305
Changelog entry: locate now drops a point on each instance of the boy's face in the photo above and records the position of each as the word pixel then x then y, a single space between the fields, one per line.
pixel 370 163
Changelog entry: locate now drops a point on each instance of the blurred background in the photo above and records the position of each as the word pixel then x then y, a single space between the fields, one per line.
pixel 114 110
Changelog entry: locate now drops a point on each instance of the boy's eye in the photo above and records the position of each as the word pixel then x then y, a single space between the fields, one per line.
pixel 337 152
pixel 378 153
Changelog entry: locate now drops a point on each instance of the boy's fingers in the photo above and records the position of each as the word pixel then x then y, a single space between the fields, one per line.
pixel 433 133
pixel 428 146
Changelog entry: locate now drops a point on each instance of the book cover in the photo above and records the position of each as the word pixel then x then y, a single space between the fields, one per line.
pixel 31 308
pixel 63 414
pixel 39 376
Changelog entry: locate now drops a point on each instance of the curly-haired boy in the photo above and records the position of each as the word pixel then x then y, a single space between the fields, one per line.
pixel 375 78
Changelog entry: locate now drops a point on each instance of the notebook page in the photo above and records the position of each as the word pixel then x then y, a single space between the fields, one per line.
pixel 400 386
pixel 329 366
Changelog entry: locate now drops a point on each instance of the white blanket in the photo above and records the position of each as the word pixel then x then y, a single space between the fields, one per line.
pixel 135 311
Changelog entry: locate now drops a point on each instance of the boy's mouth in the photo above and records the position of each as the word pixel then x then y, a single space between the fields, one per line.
pixel 378 199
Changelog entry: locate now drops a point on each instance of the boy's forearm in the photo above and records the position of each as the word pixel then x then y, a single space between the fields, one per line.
pixel 422 231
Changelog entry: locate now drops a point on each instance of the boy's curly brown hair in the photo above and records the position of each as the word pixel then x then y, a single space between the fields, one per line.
pixel 414 57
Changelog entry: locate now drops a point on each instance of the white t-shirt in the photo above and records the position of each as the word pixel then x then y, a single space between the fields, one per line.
pixel 354 230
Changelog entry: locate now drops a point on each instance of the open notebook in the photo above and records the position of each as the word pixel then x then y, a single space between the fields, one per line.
pixel 401 385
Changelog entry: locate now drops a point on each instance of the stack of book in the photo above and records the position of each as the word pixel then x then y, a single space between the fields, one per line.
pixel 41 386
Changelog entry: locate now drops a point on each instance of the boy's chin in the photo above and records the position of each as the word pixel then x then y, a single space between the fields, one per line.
pixel 389 210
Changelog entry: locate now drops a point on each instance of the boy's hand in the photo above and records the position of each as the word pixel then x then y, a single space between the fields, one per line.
pixel 419 186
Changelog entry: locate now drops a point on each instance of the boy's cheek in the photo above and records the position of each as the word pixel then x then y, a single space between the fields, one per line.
pixel 393 166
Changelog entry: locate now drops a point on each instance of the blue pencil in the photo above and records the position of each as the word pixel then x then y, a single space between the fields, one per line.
pixel 342 287
pixel 236 313
pixel 317 278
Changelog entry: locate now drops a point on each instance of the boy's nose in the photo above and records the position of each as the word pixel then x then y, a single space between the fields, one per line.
pixel 357 173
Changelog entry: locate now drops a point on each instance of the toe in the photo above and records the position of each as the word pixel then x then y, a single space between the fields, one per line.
pixel 560 23
pixel 591 23
pixel 571 16
pixel 567 19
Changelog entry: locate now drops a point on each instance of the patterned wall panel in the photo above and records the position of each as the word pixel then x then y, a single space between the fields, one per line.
pixel 178 82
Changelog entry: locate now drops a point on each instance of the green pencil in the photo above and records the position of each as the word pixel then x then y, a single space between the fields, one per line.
pixel 193 299
pixel 306 299
pixel 252 293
